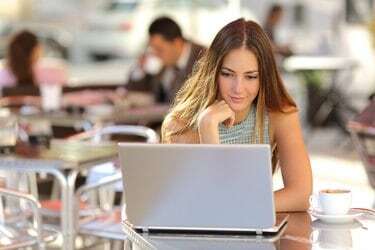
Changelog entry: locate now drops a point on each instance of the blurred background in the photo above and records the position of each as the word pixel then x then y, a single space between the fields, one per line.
pixel 325 50
pixel 109 33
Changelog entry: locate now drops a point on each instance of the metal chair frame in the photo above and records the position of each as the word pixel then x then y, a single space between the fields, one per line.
pixel 43 234
pixel 106 207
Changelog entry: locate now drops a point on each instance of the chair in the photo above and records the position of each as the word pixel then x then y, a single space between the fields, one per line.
pixel 17 231
pixel 126 133
pixel 98 134
pixel 105 224
pixel 51 209
pixel 362 130
pixel 101 185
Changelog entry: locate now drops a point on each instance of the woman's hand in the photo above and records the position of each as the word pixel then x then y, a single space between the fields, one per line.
pixel 209 119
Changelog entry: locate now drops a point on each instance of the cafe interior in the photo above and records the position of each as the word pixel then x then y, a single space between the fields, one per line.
pixel 83 156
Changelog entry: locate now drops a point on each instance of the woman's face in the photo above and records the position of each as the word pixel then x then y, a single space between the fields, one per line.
pixel 239 80
pixel 36 53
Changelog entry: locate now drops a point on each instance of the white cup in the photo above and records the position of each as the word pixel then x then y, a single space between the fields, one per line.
pixel 332 201
pixel 51 96
pixel 153 64
pixel 8 130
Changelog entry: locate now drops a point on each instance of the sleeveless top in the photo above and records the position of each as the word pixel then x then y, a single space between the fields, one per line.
pixel 242 133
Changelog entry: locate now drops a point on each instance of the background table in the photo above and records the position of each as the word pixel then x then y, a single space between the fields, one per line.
pixel 64 165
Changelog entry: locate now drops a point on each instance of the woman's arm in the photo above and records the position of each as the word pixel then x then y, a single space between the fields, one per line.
pixel 294 163
pixel 209 119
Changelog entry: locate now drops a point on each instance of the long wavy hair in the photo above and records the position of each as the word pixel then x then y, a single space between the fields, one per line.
pixel 20 57
pixel 201 88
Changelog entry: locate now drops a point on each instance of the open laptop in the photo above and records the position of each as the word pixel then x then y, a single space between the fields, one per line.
pixel 187 241
pixel 203 189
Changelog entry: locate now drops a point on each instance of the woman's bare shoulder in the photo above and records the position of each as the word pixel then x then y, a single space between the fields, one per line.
pixel 282 123
pixel 285 114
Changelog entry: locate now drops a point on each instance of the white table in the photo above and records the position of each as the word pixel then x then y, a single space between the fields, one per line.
pixel 333 98
pixel 65 172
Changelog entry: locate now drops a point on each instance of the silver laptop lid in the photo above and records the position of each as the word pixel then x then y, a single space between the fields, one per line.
pixel 198 187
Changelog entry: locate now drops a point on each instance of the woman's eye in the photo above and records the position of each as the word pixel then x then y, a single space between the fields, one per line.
pixel 251 77
pixel 225 74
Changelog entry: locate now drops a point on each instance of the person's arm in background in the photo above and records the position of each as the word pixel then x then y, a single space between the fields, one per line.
pixel 294 163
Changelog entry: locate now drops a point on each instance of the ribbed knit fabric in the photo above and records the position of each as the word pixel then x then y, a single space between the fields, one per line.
pixel 242 133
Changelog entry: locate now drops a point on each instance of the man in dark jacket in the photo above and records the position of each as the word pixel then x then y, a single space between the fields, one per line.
pixel 177 56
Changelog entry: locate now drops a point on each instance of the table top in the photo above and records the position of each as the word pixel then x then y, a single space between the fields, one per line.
pixel 116 114
pixel 302 232
pixel 62 154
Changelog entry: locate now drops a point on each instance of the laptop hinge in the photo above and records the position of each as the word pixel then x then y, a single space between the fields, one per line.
pixel 258 232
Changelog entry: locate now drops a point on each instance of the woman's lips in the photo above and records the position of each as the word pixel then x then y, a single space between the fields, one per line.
pixel 236 99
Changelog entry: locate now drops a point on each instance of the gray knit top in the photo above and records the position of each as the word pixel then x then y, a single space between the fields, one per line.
pixel 242 133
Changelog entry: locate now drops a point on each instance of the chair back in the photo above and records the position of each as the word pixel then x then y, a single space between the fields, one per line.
pixel 104 133
pixel 362 131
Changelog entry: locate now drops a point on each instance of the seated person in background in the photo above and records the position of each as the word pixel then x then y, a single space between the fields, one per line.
pixel 177 56
pixel 273 18
pixel 24 66
pixel 24 70
pixel 236 96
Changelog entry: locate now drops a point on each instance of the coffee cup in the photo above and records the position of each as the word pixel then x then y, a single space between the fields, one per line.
pixel 332 201
pixel 51 96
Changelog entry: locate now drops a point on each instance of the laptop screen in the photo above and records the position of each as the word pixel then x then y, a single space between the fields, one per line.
pixel 198 187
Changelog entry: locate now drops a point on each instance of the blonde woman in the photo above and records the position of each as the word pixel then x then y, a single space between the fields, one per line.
pixel 235 95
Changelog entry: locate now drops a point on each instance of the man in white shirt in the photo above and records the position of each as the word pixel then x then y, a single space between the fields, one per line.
pixel 177 56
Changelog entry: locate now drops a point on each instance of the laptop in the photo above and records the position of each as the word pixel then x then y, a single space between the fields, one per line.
pixel 202 189
pixel 207 242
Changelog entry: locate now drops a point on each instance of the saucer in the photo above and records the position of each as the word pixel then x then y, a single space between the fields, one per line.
pixel 342 218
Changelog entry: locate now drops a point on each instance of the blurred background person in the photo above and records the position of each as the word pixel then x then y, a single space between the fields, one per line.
pixel 24 66
pixel 273 19
pixel 176 57
pixel 25 69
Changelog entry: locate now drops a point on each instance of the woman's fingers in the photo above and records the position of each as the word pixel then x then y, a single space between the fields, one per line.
pixel 229 122
pixel 228 116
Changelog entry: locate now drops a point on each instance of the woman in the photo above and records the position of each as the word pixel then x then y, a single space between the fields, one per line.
pixel 24 65
pixel 236 95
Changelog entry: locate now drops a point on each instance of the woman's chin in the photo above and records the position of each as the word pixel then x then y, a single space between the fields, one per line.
pixel 238 108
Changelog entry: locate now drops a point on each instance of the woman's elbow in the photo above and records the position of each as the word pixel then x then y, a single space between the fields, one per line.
pixel 304 198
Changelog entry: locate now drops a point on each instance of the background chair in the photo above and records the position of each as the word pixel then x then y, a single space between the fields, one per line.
pixel 18 231
pixel 103 133
pixel 114 133
pixel 102 183
pixel 362 130
pixel 105 223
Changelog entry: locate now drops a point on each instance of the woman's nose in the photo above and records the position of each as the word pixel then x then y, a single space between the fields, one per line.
pixel 237 85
